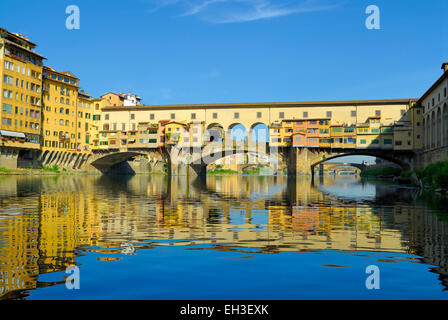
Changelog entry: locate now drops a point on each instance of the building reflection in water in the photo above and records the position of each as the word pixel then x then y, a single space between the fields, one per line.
pixel 46 222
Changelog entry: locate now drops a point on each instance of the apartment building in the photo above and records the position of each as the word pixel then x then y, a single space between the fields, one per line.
pixel 60 118
pixel 21 91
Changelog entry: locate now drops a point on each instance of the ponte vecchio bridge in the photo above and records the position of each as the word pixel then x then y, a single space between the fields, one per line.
pixel 301 135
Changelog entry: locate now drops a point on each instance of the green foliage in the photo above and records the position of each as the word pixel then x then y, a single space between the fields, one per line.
pixel 54 168
pixel 387 171
pixel 222 171
pixel 2 169
pixel 406 174
pixel 435 174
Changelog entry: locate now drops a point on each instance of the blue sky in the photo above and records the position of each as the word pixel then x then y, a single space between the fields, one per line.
pixel 211 51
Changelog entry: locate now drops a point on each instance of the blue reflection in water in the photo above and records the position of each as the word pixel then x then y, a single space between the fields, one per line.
pixel 233 238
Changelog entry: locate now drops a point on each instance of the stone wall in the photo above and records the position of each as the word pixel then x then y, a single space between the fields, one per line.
pixel 423 159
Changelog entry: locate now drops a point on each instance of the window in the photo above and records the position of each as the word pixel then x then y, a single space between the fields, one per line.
pixel 305 114
pixel 6 121
pixel 132 116
pixel 7 108
pixel 378 113
pixel 173 116
pixel 259 115
pixel 236 115
pixel 8 79
pixel 329 113
pixel 151 116
pixel 123 127
pixel 281 115
pixel 106 116
pixel 7 94
pixel 215 116
pixel 398 143
pixel 193 116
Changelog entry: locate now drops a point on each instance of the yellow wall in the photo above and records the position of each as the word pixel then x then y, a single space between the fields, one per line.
pixel 60 112
pixel 20 96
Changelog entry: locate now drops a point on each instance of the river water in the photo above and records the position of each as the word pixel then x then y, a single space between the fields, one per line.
pixel 233 237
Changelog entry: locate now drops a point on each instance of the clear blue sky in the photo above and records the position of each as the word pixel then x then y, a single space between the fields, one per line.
pixel 209 51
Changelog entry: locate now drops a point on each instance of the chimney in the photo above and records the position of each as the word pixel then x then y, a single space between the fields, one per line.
pixel 445 67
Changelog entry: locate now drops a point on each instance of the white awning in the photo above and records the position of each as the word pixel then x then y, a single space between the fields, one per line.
pixel 5 133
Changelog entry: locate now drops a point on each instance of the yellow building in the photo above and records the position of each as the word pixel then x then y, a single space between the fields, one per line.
pixel 324 133
pixel 368 133
pixel 21 90
pixel 402 136
pixel 59 125
pixel 280 133
pixel 95 124
pixel 112 99
pixel 387 136
pixel 84 125
pixel 176 133
pixel 416 113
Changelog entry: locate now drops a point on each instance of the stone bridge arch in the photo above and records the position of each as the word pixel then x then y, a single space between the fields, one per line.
pixel 198 161
pixel 404 159
pixel 117 161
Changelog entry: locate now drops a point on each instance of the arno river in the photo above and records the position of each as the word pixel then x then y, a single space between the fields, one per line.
pixel 235 237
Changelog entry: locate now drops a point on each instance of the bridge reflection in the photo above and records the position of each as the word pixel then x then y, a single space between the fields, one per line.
pixel 46 223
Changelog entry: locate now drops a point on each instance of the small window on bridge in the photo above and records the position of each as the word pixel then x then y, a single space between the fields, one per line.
pixel 305 114
pixel 281 115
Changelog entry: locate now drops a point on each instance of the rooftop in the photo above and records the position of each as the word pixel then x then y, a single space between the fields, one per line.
pixel 262 105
